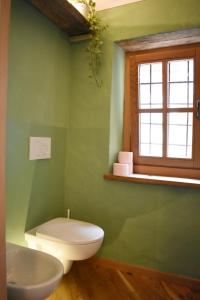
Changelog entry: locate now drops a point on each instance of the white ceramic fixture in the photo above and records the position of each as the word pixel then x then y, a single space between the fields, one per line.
pixel 66 239
pixel 31 275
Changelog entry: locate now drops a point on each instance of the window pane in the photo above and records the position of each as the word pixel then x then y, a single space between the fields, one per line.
pixel 177 135
pixel 178 71
pixel 156 72
pixel 156 150
pixel 179 144
pixel 156 118
pixel 180 118
pixel 180 83
pixel 145 118
pixel 177 152
pixel 144 73
pixel 191 94
pixel 156 134
pixel 178 95
pixel 189 153
pixel 190 136
pixel 150 85
pixel 144 149
pixel 144 96
pixel 191 70
pixel 156 95
pixel 144 133
pixel 150 134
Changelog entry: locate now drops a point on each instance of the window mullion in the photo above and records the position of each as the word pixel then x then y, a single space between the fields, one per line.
pixel 164 109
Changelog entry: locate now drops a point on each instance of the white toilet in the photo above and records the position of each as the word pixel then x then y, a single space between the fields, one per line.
pixel 66 239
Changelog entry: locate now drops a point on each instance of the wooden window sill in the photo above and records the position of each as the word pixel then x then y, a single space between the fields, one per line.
pixel 152 179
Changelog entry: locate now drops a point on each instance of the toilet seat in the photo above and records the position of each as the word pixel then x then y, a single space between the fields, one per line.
pixel 70 231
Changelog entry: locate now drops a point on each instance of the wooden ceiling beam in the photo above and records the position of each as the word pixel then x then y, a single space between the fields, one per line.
pixel 161 40
pixel 64 15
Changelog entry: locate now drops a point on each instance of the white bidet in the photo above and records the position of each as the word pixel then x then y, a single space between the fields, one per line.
pixel 31 274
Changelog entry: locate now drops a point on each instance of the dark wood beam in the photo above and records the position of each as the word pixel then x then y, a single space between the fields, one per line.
pixel 161 40
pixel 64 15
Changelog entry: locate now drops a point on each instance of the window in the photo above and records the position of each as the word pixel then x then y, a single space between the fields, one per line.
pixel 161 126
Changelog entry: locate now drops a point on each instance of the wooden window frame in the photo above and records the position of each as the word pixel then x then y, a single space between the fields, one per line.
pixel 187 168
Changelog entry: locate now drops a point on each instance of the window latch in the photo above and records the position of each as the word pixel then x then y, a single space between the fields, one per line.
pixel 198 110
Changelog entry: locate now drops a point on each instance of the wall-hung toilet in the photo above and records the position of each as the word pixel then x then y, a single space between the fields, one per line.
pixel 66 239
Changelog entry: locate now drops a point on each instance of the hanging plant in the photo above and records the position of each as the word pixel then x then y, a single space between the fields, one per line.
pixel 94 48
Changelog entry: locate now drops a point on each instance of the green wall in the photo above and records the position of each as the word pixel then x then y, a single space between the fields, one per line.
pixel 38 93
pixel 153 226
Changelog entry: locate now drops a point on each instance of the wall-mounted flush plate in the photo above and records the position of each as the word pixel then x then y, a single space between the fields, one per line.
pixel 39 148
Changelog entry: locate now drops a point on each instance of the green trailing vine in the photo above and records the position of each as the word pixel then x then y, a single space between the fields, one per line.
pixel 94 49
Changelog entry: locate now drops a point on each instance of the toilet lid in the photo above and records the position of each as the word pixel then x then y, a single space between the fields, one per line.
pixel 70 231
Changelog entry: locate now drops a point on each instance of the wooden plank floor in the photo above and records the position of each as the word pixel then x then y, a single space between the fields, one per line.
pixel 88 281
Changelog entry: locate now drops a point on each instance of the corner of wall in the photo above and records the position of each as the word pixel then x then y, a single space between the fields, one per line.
pixel 117 104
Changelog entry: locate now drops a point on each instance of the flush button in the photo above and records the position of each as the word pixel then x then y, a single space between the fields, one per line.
pixel 39 148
